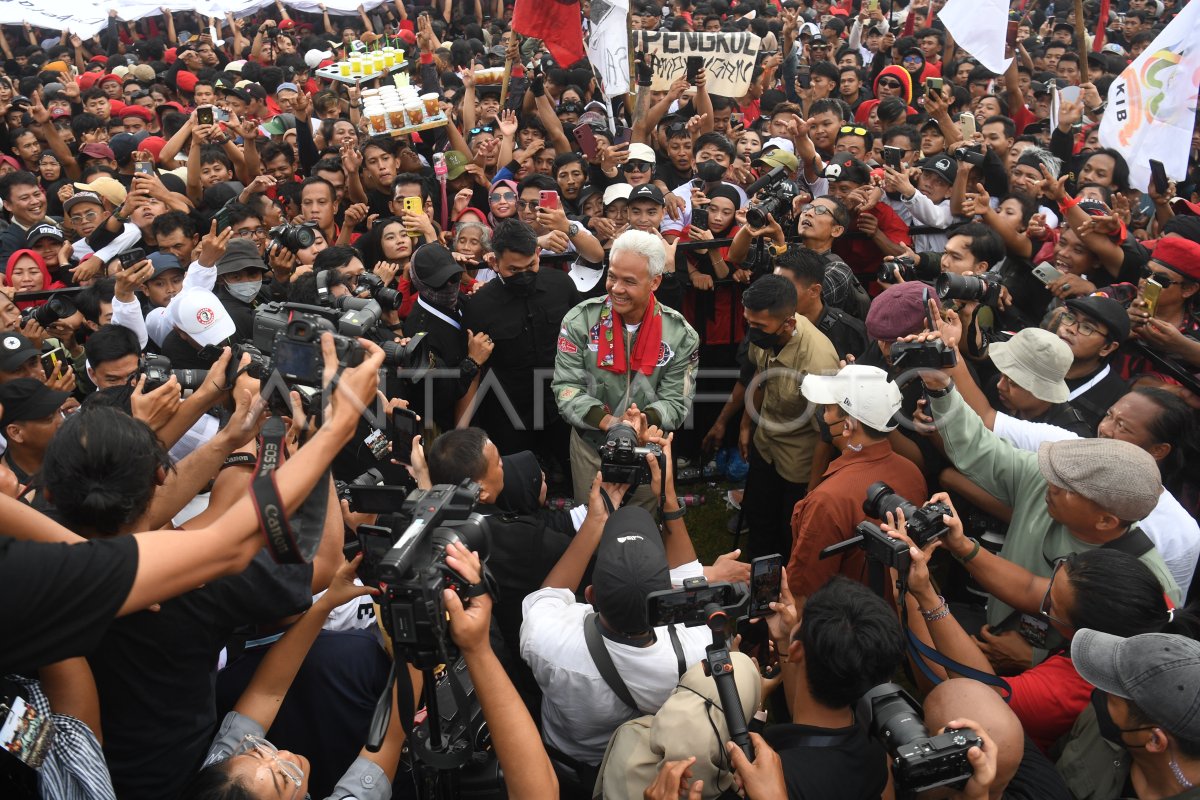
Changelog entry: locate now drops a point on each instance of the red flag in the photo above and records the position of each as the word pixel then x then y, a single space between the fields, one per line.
pixel 1101 26
pixel 555 22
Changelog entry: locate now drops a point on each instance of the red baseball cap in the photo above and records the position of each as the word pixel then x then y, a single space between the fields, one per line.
pixel 141 112
pixel 153 145
pixel 287 24
pixel 98 60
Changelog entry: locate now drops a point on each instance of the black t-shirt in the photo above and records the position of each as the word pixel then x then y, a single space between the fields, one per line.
pixel 59 599
pixel 1036 778
pixel 853 767
pixel 1094 403
pixel 155 672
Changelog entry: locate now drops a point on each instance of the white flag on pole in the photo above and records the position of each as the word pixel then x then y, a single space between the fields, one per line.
pixel 1152 103
pixel 979 27
pixel 608 44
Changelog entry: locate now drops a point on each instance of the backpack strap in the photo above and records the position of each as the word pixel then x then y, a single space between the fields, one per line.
pixel 1134 541
pixel 677 646
pixel 603 660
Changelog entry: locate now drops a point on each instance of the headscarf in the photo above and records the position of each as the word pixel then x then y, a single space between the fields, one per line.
pixel 863 114
pixel 47 281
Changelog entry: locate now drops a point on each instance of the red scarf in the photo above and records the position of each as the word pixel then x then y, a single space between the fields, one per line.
pixel 610 354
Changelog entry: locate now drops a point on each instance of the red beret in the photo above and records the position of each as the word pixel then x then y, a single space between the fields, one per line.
pixel 110 77
pixel 98 60
pixel 186 81
pixel 153 145
pixel 1179 255
pixel 115 109
pixel 87 80
pixel 140 112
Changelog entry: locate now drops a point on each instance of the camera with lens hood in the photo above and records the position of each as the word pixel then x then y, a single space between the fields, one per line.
pixel 983 288
pixel 920 762
pixel 623 461
pixel 292 237
pixel 923 524
pixel 50 312
pixel 909 268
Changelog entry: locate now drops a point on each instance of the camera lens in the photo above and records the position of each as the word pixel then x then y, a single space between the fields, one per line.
pixel 961 287
pixel 881 499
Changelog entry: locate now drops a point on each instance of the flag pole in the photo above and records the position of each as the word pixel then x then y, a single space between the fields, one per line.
pixel 1081 44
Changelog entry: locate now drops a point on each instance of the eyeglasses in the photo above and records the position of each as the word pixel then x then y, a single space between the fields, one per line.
pixel 1059 563
pixel 528 205
pixel 889 84
pixel 79 219
pixel 1163 280
pixel 637 166
pixel 501 197
pixel 854 129
pixel 249 233
pixel 816 209
pixel 253 745
pixel 1081 325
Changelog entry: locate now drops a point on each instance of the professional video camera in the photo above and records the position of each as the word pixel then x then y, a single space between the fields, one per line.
pixel 777 195
pixel 923 355
pixel 983 288
pixel 911 269
pixel 699 603
pixel 919 761
pixel 923 524
pixel 623 461
pixel 413 573
pixel 158 371
pixel 972 154
pixel 50 312
pixel 879 547
pixel 291 237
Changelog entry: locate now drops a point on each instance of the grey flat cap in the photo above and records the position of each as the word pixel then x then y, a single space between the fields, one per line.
pixel 1120 477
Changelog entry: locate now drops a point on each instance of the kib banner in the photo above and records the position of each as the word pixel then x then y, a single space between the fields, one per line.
pixel 1152 103
pixel 728 58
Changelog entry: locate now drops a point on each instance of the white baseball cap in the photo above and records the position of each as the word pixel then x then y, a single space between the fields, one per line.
pixel 641 152
pixel 235 66
pixel 314 57
pixel 618 191
pixel 863 392
pixel 199 314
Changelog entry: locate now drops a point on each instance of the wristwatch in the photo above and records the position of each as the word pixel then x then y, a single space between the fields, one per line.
pixel 573 229
pixel 469 367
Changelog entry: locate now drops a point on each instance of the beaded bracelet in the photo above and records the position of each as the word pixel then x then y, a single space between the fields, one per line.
pixel 939 611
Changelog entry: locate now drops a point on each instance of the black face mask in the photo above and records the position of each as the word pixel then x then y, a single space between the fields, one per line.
pixel 1104 721
pixel 757 336
pixel 520 283
pixel 710 171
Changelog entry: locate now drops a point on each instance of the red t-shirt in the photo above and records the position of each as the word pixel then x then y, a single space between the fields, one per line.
pixel 861 253
pixel 1048 698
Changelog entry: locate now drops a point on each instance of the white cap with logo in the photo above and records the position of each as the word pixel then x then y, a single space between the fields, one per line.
pixel 863 392
pixel 199 314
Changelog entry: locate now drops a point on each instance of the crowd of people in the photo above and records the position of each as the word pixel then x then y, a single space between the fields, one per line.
pixel 236 307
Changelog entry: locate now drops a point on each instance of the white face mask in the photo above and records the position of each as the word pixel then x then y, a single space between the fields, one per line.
pixel 245 291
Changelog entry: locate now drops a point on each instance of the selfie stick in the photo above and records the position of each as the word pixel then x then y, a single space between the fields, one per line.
pixel 1081 43
pixel 719 665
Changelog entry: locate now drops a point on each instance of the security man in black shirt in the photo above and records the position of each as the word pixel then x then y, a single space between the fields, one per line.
pixel 522 310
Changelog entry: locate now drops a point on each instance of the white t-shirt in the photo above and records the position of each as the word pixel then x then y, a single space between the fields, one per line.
pixel 1171 528
pixel 579 711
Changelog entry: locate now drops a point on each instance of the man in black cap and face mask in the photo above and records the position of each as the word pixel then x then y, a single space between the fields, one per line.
pixel 522 311
pixel 453 351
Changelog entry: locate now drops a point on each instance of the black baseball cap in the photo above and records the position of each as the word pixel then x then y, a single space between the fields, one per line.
pixel 240 254
pixel 631 562
pixel 15 350
pixel 648 191
pixel 845 167
pixel 943 166
pixel 28 399
pixel 435 266
pixel 1106 311
pixel 44 231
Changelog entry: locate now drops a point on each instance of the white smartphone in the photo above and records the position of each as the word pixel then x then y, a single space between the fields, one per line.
pixel 1046 273
pixel 966 123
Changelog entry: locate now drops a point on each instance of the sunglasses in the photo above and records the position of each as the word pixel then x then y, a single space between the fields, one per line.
pixel 637 166
pixel 484 129
pixel 1162 279
pixel 528 205
pixel 854 129
pixel 889 84
pixel 501 197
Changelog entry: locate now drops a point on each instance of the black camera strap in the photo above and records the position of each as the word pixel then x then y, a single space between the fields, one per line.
pixel 608 670
pixel 289 542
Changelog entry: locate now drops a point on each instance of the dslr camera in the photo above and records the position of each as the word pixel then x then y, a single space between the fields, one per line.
pixel 923 355
pixel 920 762
pixel 879 547
pixel 910 269
pixel 296 352
pixel 50 312
pixel 924 524
pixel 622 460
pixel 291 237
pixel 776 201
pixel 983 289
pixel 972 154
pixel 413 573
pixel 158 371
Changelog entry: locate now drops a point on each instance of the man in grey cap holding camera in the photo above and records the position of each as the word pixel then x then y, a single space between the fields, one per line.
pixel 1151 682
pixel 1071 496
